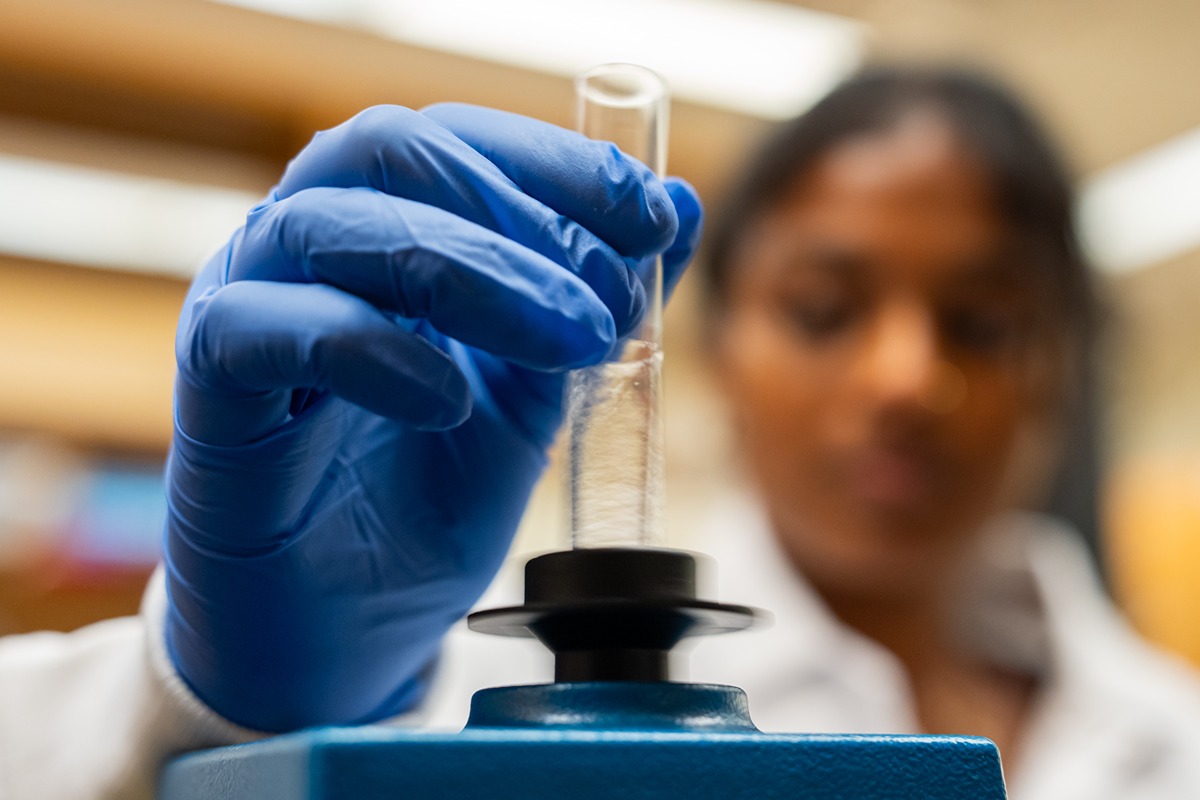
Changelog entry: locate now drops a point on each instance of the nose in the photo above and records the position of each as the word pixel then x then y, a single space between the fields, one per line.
pixel 901 365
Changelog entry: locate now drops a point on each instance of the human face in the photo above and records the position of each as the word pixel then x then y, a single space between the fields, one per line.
pixel 881 356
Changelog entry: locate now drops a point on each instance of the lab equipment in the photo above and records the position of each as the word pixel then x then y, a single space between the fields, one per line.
pixel 613 607
pixel 610 726
pixel 593 741
pixel 614 409
pixel 370 373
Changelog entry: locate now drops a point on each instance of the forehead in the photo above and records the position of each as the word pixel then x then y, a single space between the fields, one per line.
pixel 911 194
pixel 918 161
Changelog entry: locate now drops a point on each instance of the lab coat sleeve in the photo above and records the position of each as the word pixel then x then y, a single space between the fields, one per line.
pixel 95 713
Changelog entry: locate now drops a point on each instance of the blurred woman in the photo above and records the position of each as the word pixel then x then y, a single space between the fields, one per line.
pixel 903 326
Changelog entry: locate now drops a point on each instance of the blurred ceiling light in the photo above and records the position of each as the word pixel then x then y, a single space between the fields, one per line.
pixel 767 59
pixel 98 218
pixel 1146 209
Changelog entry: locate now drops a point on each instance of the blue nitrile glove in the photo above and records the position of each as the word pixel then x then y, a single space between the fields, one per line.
pixel 370 373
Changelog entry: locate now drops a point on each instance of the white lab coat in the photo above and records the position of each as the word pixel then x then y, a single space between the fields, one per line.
pixel 94 713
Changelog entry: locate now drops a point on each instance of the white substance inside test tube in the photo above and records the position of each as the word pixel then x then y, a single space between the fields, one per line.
pixel 616 451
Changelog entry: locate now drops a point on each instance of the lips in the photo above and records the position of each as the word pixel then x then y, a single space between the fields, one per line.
pixel 896 478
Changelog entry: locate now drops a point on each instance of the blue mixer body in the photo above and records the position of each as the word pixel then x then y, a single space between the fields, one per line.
pixel 593 741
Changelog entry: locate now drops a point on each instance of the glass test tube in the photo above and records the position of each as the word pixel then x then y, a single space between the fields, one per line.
pixel 614 415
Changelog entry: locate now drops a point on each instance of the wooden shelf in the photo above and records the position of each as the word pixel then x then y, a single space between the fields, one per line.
pixel 242 81
pixel 88 354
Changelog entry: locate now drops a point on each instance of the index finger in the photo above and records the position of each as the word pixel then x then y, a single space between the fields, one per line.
pixel 500 170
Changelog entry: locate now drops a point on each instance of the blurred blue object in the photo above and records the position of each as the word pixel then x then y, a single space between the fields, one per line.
pixel 119 517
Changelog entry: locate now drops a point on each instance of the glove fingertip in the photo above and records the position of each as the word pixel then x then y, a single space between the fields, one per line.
pixel 688 209
pixel 431 393
pixel 453 409
pixel 573 341
pixel 663 215
pixel 637 310
pixel 691 223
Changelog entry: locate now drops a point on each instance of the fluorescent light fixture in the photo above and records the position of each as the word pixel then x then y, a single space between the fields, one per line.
pixel 767 59
pixel 99 218
pixel 1146 209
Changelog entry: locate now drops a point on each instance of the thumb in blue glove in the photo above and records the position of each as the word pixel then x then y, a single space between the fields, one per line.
pixel 370 373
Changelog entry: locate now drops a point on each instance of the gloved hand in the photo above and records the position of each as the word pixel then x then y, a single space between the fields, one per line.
pixel 370 373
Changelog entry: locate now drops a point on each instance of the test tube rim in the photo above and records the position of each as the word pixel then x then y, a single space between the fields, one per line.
pixel 653 87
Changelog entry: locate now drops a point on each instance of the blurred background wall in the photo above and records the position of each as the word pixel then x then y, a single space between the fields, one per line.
pixel 135 133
